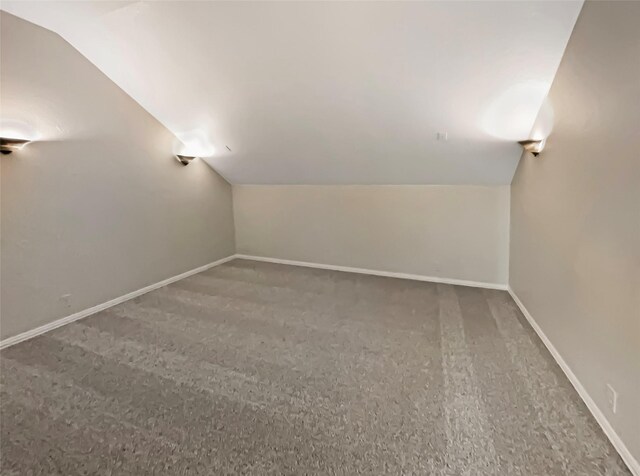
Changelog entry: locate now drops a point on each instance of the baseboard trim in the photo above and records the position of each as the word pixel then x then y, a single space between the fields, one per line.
pixel 9 341
pixel 616 441
pixel 388 274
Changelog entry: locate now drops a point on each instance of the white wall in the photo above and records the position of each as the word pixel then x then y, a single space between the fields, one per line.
pixel 575 214
pixel 329 92
pixel 98 207
pixel 457 232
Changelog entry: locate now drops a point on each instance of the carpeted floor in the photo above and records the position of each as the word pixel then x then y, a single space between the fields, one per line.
pixel 255 368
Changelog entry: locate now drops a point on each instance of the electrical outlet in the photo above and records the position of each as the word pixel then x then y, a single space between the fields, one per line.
pixel 612 397
pixel 66 300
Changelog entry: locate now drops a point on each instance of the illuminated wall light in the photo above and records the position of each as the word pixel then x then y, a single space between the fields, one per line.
pixel 533 146
pixel 194 143
pixel 511 114
pixel 184 159
pixel 8 145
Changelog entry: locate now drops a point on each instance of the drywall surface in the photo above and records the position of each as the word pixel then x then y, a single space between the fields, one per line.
pixel 98 207
pixel 454 232
pixel 575 214
pixel 330 92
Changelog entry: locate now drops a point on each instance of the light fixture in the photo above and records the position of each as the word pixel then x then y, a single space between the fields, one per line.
pixel 185 159
pixel 533 146
pixel 8 145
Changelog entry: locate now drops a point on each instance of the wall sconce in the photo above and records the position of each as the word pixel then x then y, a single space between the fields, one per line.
pixel 8 145
pixel 184 159
pixel 533 146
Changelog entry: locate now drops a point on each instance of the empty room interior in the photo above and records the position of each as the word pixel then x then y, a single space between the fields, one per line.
pixel 320 237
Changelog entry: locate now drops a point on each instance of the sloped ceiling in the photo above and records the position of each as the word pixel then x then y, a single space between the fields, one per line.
pixel 330 92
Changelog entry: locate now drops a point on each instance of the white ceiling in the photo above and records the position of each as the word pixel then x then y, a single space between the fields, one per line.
pixel 330 92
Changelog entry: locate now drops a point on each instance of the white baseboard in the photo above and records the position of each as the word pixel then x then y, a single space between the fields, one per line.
pixel 388 274
pixel 616 441
pixel 9 341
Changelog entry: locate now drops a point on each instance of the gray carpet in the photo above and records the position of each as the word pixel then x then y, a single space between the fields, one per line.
pixel 254 368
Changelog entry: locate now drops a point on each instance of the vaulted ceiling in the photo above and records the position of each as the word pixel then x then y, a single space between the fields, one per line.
pixel 330 92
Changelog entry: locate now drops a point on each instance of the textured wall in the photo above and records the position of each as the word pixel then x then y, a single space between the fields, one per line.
pixel 459 232
pixel 98 207
pixel 575 214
